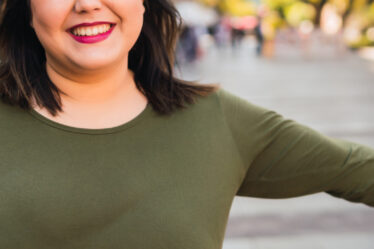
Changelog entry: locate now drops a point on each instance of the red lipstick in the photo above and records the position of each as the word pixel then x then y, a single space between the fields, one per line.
pixel 93 38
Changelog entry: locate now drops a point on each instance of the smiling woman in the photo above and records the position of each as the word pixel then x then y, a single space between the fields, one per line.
pixel 52 58
pixel 102 147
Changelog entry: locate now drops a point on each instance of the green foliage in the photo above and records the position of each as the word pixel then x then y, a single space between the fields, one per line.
pixel 298 12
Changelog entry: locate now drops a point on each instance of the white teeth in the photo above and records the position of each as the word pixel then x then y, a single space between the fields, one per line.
pixel 91 31
pixel 95 31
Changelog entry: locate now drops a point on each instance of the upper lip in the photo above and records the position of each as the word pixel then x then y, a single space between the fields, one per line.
pixel 87 24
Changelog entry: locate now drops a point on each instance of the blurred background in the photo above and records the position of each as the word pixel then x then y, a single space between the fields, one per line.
pixel 313 62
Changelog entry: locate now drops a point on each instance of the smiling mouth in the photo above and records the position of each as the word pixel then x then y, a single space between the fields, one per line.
pixel 90 31
pixel 92 34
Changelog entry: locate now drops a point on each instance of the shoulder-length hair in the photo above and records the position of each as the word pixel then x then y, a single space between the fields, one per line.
pixel 23 73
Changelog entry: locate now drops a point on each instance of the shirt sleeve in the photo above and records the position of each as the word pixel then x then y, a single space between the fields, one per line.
pixel 286 159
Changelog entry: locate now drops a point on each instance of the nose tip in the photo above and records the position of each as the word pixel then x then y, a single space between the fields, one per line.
pixel 87 5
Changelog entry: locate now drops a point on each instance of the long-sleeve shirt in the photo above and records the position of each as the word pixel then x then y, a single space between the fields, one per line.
pixel 162 182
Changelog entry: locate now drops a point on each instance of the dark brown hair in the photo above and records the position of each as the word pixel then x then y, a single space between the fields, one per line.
pixel 22 60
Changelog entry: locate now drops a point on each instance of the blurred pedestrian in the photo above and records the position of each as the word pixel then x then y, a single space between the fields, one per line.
pixel 237 36
pixel 188 44
pixel 259 37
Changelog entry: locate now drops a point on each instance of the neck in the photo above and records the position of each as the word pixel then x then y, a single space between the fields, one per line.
pixel 96 99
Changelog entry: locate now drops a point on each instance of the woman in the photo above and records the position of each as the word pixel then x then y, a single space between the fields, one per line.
pixel 103 148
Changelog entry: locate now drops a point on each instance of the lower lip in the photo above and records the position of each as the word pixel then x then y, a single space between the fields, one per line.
pixel 93 39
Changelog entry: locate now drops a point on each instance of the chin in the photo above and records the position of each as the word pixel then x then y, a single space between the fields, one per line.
pixel 97 63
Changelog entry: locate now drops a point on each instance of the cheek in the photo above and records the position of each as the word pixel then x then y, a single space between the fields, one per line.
pixel 132 15
pixel 47 16
pixel 126 6
pixel 129 11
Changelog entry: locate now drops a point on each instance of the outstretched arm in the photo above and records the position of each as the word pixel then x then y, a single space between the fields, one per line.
pixel 287 159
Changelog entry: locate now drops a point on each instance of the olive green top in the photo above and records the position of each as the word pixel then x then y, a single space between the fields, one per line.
pixel 162 182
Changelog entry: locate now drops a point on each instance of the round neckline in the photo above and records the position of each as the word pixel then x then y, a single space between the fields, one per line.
pixel 146 111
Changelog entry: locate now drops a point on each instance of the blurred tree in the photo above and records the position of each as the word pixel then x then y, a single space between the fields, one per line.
pixel 357 15
pixel 299 11
pixel 237 7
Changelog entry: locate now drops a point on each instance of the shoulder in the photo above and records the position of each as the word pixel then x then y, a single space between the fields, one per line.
pixel 8 109
pixel 10 116
pixel 229 104
pixel 226 106
pixel 237 107
pixel 216 99
pixel 5 111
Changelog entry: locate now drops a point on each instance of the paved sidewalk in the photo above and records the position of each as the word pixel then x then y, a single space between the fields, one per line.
pixel 328 92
